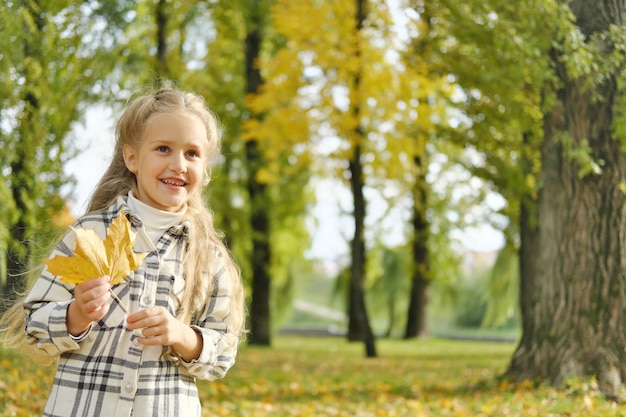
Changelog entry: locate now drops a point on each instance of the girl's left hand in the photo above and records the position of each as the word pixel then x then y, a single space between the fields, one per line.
pixel 159 326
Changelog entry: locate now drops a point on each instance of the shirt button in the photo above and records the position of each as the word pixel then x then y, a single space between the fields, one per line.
pixel 136 342
pixel 128 388
pixel 147 300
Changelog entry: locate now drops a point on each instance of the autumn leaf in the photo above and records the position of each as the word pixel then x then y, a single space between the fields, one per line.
pixel 94 257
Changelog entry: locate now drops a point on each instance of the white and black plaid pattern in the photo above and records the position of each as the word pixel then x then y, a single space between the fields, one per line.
pixel 106 371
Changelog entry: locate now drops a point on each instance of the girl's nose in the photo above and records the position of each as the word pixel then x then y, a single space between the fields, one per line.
pixel 178 163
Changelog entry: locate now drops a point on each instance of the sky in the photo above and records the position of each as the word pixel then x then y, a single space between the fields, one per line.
pixel 329 220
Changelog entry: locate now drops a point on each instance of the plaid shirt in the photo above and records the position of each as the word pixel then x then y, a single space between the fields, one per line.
pixel 106 371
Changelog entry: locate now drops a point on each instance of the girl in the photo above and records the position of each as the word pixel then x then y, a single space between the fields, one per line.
pixel 185 302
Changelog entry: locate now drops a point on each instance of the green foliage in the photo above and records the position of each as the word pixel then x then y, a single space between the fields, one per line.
pixel 497 65
pixel 480 295
pixel 619 120
pixel 219 75
pixel 503 290
pixel 579 153
pixel 51 64
pixel 470 300
pixel 595 59
pixel 462 299
pixel 329 377
pixel 387 294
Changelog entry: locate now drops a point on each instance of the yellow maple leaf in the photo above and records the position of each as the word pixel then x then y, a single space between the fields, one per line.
pixel 93 257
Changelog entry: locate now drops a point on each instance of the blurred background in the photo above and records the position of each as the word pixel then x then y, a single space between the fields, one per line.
pixel 371 175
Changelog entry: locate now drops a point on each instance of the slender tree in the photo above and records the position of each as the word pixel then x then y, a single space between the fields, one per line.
pixel 221 75
pixel 431 92
pixel 358 326
pixel 361 95
pixel 260 318
pixel 418 298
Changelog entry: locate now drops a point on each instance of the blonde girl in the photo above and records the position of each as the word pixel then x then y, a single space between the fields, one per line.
pixel 185 310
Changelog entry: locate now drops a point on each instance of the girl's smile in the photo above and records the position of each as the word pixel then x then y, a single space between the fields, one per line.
pixel 173 182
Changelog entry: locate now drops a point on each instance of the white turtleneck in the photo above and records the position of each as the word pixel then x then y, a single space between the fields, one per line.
pixel 155 221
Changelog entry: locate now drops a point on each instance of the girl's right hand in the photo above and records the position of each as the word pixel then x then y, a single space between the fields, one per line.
pixel 90 304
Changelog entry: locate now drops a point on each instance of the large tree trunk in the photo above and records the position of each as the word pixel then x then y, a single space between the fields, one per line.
pixel 260 323
pixel 416 317
pixel 574 305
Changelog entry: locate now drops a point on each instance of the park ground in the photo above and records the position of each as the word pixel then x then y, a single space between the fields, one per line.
pixel 327 376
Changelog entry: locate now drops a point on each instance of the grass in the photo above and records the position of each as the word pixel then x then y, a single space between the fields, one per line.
pixel 327 376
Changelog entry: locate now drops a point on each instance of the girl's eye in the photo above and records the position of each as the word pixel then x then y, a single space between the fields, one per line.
pixel 162 149
pixel 192 154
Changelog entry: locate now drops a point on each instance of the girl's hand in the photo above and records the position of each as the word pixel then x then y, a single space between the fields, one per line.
pixel 90 304
pixel 160 328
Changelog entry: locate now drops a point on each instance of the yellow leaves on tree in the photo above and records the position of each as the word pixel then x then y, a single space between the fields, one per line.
pixel 94 257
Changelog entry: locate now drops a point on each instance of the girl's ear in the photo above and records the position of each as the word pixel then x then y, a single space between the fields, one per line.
pixel 130 158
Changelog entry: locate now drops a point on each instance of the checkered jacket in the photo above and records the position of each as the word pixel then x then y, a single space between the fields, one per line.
pixel 106 371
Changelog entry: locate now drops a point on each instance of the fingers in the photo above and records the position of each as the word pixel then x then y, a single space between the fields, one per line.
pixel 148 317
pixel 92 298
pixel 152 331
pixel 90 304
pixel 158 326
pixel 98 313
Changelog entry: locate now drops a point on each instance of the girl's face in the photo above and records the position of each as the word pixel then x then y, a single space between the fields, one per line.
pixel 170 160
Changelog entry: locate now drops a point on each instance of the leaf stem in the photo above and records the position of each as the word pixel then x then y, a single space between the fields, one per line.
pixel 120 302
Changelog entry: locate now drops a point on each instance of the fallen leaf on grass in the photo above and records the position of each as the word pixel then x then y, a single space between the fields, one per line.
pixel 94 257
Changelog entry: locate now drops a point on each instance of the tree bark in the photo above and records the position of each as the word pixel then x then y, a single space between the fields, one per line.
pixel 359 328
pixel 528 253
pixel 260 319
pixel 416 325
pixel 416 317
pixel 574 303
pixel 24 164
pixel 161 19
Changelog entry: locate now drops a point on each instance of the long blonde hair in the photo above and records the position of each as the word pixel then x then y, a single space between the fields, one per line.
pixel 203 238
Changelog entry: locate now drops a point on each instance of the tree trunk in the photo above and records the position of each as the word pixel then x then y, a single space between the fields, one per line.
pixel 24 165
pixel 416 317
pixel 574 306
pixel 527 255
pixel 260 323
pixel 161 18
pixel 23 174
pixel 359 326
